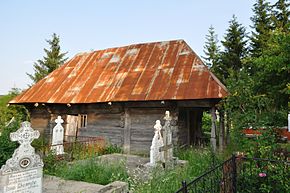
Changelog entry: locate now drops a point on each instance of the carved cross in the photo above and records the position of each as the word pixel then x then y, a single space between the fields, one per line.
pixel 167 144
pixel 25 135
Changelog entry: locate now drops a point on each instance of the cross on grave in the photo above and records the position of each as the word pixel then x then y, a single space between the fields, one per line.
pixel 24 156
pixel 25 135
pixel 57 137
pixel 167 139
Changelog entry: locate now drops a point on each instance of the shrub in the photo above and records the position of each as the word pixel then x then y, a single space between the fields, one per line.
pixel 7 147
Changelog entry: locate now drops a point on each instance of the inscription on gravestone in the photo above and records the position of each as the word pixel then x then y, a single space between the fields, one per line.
pixel 23 172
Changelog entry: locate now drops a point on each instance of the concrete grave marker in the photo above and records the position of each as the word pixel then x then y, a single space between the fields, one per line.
pixel 23 172
pixel 57 137
pixel 157 142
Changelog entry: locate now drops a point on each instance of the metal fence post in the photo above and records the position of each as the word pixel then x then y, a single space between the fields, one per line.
pixel 184 186
pixel 234 173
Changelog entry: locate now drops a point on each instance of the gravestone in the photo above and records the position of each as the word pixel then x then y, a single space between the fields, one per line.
pixel 167 148
pixel 23 172
pixel 57 137
pixel 157 142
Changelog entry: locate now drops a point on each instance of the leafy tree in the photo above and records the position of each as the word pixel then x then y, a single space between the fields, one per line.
pixel 281 15
pixel 272 76
pixel 7 112
pixel 211 48
pixel 235 50
pixel 53 59
pixel 261 25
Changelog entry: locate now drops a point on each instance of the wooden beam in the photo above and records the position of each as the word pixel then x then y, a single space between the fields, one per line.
pixel 127 131
pixel 213 129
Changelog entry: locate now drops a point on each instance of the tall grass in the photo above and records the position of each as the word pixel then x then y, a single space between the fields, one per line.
pixel 92 171
pixel 199 160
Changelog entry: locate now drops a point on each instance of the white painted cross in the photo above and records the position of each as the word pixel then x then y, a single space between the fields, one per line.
pixel 57 137
pixel 167 139
pixel 157 142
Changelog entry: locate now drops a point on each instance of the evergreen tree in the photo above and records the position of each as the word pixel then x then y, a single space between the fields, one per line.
pixel 281 15
pixel 211 48
pixel 53 59
pixel 261 25
pixel 234 44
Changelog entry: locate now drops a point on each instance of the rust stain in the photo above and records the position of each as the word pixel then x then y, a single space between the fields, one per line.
pixel 167 70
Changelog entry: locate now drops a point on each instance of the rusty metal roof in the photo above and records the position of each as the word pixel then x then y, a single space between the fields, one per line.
pixel 167 70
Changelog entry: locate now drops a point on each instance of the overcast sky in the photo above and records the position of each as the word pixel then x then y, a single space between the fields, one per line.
pixel 86 25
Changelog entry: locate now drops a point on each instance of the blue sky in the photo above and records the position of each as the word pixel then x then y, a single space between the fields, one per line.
pixel 91 25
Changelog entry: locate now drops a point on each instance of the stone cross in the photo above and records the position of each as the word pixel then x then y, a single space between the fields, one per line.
pixel 25 135
pixel 24 156
pixel 157 142
pixel 167 139
pixel 57 137
pixel 23 172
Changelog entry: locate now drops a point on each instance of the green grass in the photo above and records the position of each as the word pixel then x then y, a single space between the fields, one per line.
pixel 199 160
pixel 91 170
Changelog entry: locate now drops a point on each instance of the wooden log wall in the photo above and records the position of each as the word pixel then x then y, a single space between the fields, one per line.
pixel 129 125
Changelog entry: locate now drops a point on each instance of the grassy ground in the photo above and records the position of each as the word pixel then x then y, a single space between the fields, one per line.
pixel 170 180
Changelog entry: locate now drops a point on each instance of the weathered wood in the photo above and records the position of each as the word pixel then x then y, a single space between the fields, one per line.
pixel 127 131
pixel 205 103
pixel 221 131
pixel 213 129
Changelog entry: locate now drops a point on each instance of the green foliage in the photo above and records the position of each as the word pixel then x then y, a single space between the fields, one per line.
pixel 273 68
pixel 6 146
pixel 261 176
pixel 91 170
pixel 234 44
pixel 53 59
pixel 211 48
pixel 261 25
pixel 206 122
pixel 19 112
pixel 110 149
pixel 165 181
pixel 281 15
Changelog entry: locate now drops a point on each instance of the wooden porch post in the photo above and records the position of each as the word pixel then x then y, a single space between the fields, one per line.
pixel 222 131
pixel 213 129
pixel 127 132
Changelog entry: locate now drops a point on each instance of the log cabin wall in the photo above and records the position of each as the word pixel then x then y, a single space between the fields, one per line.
pixel 128 125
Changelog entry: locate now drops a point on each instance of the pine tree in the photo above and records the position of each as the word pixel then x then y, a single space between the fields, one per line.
pixel 234 44
pixel 261 25
pixel 211 48
pixel 53 59
pixel 281 15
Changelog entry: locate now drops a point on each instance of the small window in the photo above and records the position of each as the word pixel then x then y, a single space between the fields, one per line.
pixel 83 120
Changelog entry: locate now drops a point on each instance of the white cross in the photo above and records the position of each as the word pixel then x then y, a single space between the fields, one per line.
pixel 24 135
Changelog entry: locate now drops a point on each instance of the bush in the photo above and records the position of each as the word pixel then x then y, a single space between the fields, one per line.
pixel 7 147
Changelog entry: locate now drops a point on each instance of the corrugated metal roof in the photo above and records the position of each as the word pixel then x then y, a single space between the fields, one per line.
pixel 150 71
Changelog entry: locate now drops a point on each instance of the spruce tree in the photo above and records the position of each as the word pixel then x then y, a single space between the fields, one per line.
pixel 235 49
pixel 211 48
pixel 53 59
pixel 261 25
pixel 281 15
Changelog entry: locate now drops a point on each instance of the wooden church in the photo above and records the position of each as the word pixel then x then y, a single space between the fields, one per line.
pixel 119 93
